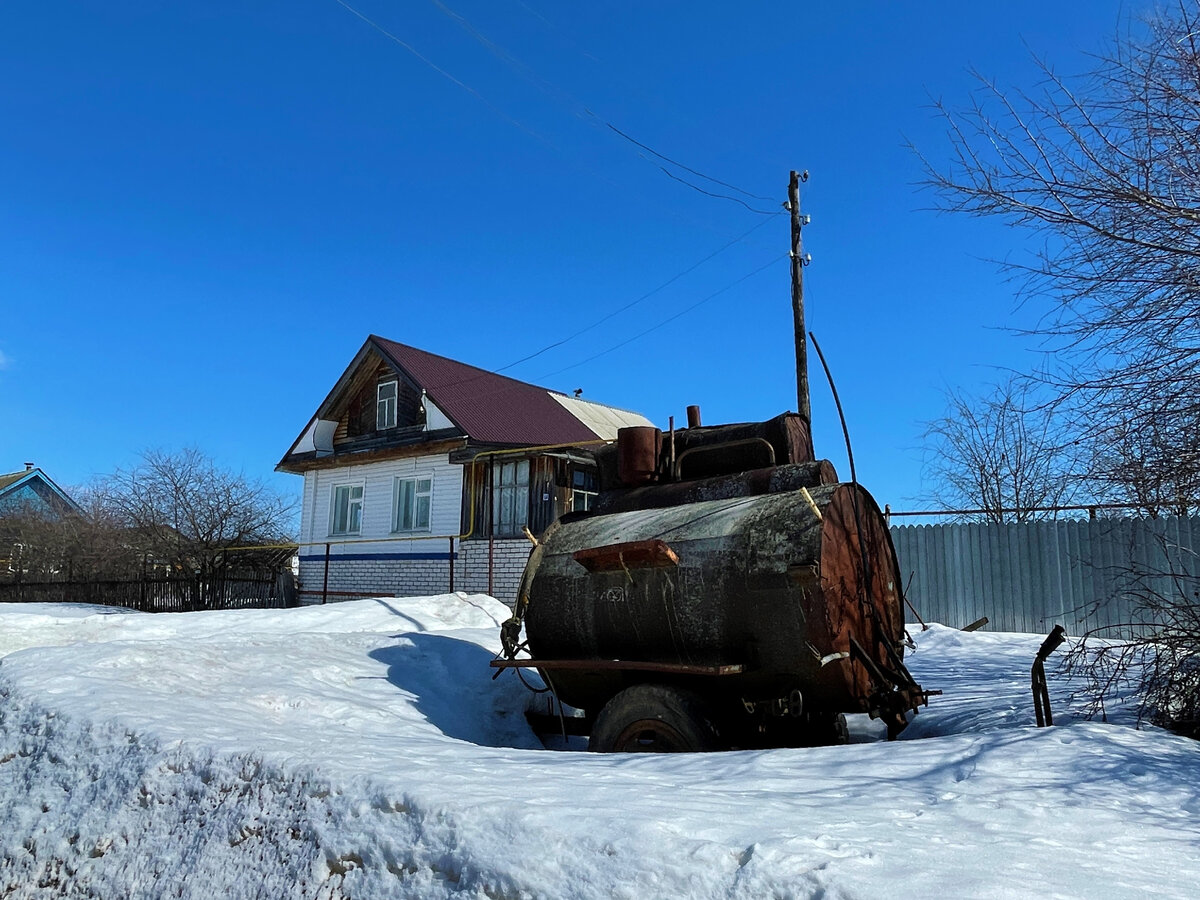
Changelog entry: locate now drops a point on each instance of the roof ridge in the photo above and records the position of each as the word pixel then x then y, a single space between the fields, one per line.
pixel 482 372
pixel 582 399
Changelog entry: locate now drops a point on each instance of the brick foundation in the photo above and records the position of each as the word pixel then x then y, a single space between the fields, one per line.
pixel 374 577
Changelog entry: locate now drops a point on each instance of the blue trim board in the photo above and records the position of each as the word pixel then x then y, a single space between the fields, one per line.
pixel 348 557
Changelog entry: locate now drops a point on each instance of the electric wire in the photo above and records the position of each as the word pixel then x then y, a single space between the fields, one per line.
pixel 761 212
pixel 680 165
pixel 668 320
pixel 507 58
pixel 616 312
pixel 634 303
pixel 449 77
pixel 580 109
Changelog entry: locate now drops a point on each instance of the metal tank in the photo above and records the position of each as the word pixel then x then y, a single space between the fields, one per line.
pixel 755 606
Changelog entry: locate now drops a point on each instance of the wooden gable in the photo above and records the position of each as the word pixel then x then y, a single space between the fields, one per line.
pixel 356 408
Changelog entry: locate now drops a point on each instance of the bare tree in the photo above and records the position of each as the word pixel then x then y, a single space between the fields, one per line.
pixel 87 543
pixel 1147 455
pixel 1000 454
pixel 1106 168
pixel 1155 654
pixel 188 512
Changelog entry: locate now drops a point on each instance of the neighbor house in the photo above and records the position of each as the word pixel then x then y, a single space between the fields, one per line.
pixel 421 475
pixel 32 490
pixel 29 492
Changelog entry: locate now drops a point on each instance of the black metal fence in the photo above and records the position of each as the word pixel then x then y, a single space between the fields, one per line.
pixel 158 594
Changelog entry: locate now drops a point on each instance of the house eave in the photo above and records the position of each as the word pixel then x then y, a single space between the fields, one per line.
pixel 299 463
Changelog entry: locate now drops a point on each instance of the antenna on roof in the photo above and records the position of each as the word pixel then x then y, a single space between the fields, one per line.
pixel 578 392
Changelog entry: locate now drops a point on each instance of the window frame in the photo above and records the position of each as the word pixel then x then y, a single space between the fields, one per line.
pixel 415 480
pixel 333 506
pixel 584 489
pixel 387 408
pixel 518 490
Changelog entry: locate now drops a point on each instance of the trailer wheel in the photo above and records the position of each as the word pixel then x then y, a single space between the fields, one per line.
pixel 815 729
pixel 830 729
pixel 654 718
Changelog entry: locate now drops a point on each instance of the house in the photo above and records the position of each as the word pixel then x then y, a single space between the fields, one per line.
pixel 33 491
pixel 421 474
pixel 29 492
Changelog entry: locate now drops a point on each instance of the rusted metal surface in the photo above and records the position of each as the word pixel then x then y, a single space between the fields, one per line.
pixel 761 581
pixel 776 480
pixel 627 555
pixel 615 665
pixel 754 451
pixel 638 452
pixel 738 554
pixel 788 434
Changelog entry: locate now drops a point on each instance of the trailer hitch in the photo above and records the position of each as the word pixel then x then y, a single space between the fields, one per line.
pixel 894 692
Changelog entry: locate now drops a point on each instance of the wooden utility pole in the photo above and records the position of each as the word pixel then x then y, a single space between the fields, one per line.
pixel 803 405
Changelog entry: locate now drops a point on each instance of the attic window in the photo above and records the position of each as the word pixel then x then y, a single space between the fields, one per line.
pixel 385 406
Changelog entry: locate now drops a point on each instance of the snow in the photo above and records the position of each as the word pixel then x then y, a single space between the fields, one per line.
pixel 363 750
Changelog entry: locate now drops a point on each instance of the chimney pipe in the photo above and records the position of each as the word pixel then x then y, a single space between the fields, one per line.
pixel 28 467
pixel 693 416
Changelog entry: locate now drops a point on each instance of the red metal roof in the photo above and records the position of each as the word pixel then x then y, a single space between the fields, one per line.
pixel 490 408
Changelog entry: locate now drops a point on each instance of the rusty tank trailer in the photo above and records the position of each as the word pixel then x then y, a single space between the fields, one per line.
pixel 725 590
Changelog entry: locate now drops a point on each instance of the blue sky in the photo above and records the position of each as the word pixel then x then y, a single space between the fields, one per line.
pixel 205 209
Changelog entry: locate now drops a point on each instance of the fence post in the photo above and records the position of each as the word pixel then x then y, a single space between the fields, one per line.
pixel 452 565
pixel 325 586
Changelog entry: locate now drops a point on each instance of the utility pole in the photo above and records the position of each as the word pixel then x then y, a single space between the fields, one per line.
pixel 803 406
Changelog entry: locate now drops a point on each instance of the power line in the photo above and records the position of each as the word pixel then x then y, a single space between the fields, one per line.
pixel 622 309
pixel 668 320
pixel 680 165
pixel 764 212
pixel 563 96
pixel 552 90
pixel 634 303
pixel 462 84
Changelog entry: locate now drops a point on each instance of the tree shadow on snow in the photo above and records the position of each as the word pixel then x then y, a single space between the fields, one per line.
pixel 450 682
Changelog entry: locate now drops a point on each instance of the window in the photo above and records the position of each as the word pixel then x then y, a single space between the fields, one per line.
pixel 346 515
pixel 385 406
pixel 510 498
pixel 583 490
pixel 411 500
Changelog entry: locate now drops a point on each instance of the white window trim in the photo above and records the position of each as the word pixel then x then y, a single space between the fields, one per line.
pixel 392 405
pixel 589 498
pixel 396 482
pixel 333 491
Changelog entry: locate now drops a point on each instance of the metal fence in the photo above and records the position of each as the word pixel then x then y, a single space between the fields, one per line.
pixel 156 594
pixel 1082 574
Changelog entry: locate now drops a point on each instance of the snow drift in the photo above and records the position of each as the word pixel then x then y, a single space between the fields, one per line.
pixel 363 750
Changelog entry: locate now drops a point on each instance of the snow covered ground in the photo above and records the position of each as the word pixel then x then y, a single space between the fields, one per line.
pixel 362 750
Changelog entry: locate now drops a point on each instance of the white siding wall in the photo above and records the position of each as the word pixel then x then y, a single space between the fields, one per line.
pixel 377 567
pixel 377 479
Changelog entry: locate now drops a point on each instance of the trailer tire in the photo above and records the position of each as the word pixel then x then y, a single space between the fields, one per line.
pixel 831 730
pixel 654 718
pixel 813 729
